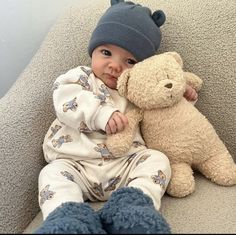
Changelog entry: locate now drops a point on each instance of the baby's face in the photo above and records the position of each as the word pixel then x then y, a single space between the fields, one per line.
pixel 109 61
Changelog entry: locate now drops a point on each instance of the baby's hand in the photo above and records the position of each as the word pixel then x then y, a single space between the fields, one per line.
pixel 190 93
pixel 117 122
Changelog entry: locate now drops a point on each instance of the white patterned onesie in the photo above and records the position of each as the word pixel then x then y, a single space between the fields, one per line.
pixel 80 166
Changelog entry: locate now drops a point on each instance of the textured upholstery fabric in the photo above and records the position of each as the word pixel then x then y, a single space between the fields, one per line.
pixel 203 32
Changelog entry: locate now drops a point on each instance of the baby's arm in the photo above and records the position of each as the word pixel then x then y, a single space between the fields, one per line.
pixel 116 123
pixel 77 102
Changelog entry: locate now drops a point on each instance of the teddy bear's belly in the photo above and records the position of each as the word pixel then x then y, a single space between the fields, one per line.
pixel 182 133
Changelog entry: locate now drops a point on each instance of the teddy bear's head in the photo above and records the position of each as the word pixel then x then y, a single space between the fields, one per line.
pixel 156 82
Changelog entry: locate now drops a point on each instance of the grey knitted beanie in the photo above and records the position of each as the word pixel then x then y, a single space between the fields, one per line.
pixel 130 26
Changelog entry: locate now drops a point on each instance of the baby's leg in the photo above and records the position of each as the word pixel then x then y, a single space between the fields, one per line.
pixel 134 208
pixel 58 183
pixel 151 174
pixel 61 202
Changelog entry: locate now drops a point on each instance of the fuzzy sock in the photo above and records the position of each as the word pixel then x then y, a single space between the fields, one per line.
pixel 130 211
pixel 72 218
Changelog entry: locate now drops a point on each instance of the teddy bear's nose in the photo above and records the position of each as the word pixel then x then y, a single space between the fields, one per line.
pixel 168 85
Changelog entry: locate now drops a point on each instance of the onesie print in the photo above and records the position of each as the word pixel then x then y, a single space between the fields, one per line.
pixel 104 90
pixel 70 105
pixel 55 86
pixel 62 139
pixel 83 81
pixel 102 149
pixel 131 157
pixel 68 175
pixel 97 189
pixel 54 130
pixel 105 93
pixel 86 71
pixel 83 128
pixel 136 144
pixel 143 158
pixel 160 179
pixel 101 97
pixel 129 180
pixel 112 183
pixel 46 194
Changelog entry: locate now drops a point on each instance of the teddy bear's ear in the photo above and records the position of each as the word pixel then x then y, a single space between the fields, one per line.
pixel 177 57
pixel 123 82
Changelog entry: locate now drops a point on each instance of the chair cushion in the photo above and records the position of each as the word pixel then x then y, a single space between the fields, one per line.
pixel 210 209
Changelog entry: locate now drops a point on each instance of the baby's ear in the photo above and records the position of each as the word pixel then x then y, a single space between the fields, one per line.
pixel 177 57
pixel 122 83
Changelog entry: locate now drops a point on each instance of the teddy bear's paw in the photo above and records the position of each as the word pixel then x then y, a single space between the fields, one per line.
pixel 220 169
pixel 181 189
pixel 182 182
pixel 226 178
pixel 135 116
pixel 117 146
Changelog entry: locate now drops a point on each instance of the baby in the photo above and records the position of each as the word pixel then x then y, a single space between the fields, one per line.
pixel 88 108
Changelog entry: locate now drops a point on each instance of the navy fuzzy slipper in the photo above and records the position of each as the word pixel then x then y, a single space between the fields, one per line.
pixel 130 211
pixel 72 218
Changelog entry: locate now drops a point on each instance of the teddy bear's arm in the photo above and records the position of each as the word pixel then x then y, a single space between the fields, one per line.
pixel 193 80
pixel 118 144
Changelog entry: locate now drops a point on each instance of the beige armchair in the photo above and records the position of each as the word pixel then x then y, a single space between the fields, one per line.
pixel 203 32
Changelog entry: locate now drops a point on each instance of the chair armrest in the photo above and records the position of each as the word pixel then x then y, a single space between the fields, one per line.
pixel 26 114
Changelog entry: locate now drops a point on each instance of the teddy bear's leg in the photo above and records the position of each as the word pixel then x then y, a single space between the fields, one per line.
pixel 220 169
pixel 182 182
pixel 72 218
pixel 130 211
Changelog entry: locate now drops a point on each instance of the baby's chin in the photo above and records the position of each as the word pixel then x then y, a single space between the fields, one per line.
pixel 112 84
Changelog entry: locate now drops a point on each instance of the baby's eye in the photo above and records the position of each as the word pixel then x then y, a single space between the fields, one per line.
pixel 106 52
pixel 131 61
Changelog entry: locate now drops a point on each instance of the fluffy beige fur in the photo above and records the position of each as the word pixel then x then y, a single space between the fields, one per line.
pixel 171 124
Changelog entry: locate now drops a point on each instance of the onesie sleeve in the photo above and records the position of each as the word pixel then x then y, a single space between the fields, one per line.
pixel 80 102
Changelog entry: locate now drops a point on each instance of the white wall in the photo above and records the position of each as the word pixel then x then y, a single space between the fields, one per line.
pixel 23 26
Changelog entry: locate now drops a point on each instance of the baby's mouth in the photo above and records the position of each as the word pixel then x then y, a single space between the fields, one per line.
pixel 111 76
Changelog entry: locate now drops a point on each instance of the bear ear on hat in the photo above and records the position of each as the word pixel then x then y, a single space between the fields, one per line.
pixel 113 2
pixel 159 17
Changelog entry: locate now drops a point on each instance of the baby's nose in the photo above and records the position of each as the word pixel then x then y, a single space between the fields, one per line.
pixel 169 85
pixel 116 66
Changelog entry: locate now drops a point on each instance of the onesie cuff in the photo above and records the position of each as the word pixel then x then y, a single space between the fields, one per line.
pixel 103 116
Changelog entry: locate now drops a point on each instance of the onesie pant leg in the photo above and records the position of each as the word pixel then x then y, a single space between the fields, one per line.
pixel 58 183
pixel 61 202
pixel 133 209
pixel 151 174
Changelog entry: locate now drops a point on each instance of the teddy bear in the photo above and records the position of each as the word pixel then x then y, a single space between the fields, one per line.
pixel 171 124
